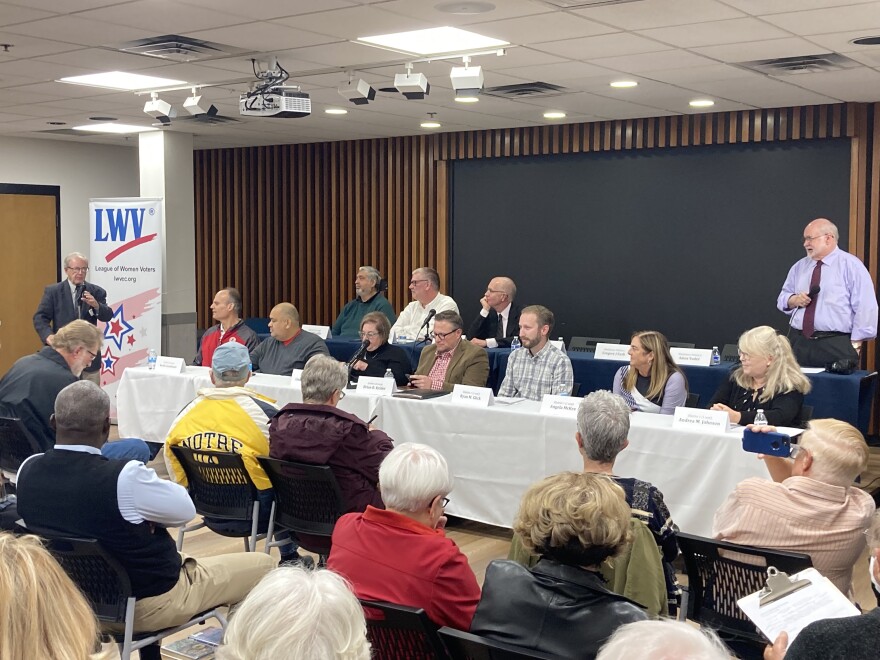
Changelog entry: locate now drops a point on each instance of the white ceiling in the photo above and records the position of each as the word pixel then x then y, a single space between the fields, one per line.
pixel 678 50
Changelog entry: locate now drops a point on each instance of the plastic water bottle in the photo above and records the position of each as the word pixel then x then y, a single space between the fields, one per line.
pixel 152 357
pixel 401 339
pixel 716 356
pixel 515 344
pixel 388 375
pixel 561 345
pixel 760 418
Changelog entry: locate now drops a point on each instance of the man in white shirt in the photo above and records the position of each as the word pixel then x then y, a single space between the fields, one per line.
pixel 425 289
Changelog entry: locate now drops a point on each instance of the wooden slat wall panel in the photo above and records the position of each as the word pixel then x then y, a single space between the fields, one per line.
pixel 293 222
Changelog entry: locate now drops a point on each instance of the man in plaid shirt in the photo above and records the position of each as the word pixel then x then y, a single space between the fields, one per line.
pixel 538 368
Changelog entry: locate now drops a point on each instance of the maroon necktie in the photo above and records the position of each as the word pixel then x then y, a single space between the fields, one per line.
pixel 810 312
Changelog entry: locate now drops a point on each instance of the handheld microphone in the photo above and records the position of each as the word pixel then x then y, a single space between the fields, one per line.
pixel 814 291
pixel 358 354
pixel 78 295
pixel 431 314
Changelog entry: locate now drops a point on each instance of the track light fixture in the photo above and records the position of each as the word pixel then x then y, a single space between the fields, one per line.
pixel 359 91
pixel 195 106
pixel 159 109
pixel 467 81
pixel 414 86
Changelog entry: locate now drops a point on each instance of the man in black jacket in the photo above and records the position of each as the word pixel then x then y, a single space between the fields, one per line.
pixel 498 321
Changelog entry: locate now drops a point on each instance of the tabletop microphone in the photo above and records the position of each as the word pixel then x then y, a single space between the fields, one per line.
pixel 425 323
pixel 358 354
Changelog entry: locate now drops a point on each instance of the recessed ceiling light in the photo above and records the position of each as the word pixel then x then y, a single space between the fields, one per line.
pixel 866 41
pixel 554 114
pixel 102 118
pixel 433 41
pixel 702 103
pixel 431 121
pixel 335 111
pixel 121 80
pixel 114 128
pixel 466 99
pixel 467 8
pixel 57 123
pixel 622 84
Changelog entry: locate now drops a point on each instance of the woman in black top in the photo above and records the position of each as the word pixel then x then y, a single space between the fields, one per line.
pixel 768 378
pixel 380 355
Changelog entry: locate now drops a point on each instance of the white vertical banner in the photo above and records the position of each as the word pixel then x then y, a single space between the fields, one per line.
pixel 126 260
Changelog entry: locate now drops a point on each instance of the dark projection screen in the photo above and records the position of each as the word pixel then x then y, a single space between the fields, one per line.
pixel 694 242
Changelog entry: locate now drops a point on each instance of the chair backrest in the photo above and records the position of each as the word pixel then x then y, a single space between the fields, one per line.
pixel 219 484
pixel 465 646
pixel 307 497
pixel 730 354
pixel 16 444
pixel 719 574
pixel 588 344
pixel 99 576
pixel 681 344
pixel 806 413
pixel 693 400
pixel 398 632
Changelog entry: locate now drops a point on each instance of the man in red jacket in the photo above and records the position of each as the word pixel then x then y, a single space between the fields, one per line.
pixel 226 310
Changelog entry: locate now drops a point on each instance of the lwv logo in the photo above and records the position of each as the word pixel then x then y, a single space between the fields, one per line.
pixel 116 225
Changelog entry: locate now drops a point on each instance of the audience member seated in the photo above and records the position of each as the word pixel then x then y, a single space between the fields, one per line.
pixel 42 612
pixel 450 361
pixel 289 347
pixel 401 555
pixel 425 289
pixel 810 505
pixel 228 418
pixel 663 640
pixel 538 368
pixel 317 432
pixel 652 382
pixel 297 613
pixel 367 300
pixel 852 637
pixel 561 606
pixel 380 355
pixel 498 321
pixel 226 310
pixel 769 379
pixel 29 388
pixel 72 489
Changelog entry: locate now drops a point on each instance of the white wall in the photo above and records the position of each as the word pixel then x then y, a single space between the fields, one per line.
pixel 82 171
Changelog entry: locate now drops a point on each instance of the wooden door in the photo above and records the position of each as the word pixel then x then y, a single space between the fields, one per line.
pixel 29 231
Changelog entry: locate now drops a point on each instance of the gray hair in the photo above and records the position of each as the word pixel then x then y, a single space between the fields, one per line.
pixel 77 334
pixel 509 287
pixel 840 453
pixel 231 377
pixel 372 273
pixel 603 422
pixel 828 227
pixel 412 475
pixel 874 532
pixel 656 640
pixel 322 376
pixel 450 317
pixel 234 298
pixel 314 615
pixel 429 274
pixel 81 407
pixel 75 255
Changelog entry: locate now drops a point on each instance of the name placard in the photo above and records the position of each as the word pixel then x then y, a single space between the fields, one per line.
pixel 700 420
pixel 560 406
pixel 323 331
pixel 479 397
pixel 701 357
pixel 296 377
pixel 558 343
pixel 170 365
pixel 376 386
pixel 619 352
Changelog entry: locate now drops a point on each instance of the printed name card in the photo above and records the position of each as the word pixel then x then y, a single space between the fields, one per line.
pixel 479 397
pixel 701 357
pixel 323 331
pixel 376 386
pixel 296 378
pixel 618 352
pixel 696 419
pixel 560 406
pixel 170 365
pixel 558 343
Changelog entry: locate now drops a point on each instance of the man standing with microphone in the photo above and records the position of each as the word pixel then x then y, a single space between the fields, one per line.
pixel 830 298
pixel 73 299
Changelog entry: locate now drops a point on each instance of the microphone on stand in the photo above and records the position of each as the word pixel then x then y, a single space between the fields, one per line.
pixel 359 353
pixel 425 323
pixel 814 291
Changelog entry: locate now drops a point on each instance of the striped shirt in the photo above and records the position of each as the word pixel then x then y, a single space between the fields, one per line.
pixel 800 514
pixel 533 376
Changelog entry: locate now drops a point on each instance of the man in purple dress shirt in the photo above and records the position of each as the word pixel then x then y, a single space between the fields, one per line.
pixel 830 298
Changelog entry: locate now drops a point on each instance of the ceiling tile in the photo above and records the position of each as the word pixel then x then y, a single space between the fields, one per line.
pixel 851 85
pixel 763 7
pixel 555 73
pixel 715 32
pixel 12 14
pixel 24 47
pixel 541 27
pixel 646 62
pixel 605 45
pixel 355 22
pixel 162 17
pixel 65 7
pixel 836 19
pixel 261 37
pixel 268 9
pixel 70 29
pixel 701 74
pixel 840 42
pixel 659 13
pixel 426 11
pixel 761 50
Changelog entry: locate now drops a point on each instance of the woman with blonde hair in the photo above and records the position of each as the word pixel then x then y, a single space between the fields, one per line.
pixel 42 613
pixel 768 378
pixel 652 382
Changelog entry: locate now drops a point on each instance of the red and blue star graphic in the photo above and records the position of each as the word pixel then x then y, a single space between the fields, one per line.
pixel 108 362
pixel 117 327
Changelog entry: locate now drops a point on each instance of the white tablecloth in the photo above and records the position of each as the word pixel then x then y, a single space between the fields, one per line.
pixel 148 401
pixel 497 453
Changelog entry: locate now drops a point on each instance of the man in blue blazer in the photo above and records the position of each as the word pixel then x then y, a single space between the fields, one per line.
pixel 72 299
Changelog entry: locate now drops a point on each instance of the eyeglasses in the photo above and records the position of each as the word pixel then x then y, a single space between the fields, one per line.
pixel 494 291
pixel 443 335
pixel 370 334
pixel 809 239
pixel 341 394
pixel 797 450
pixel 743 356
pixel 414 282
pixel 78 269
pixel 444 502
pixel 94 355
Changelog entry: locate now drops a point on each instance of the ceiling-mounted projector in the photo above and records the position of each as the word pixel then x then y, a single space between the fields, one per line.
pixel 282 102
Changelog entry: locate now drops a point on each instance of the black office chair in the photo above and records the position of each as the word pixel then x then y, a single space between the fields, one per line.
pixel 16 445
pixel 693 400
pixel 716 582
pixel 398 632
pixel 730 354
pixel 588 344
pixel 308 502
pixel 106 586
pixel 221 489
pixel 681 344
pixel 575 389
pixel 465 646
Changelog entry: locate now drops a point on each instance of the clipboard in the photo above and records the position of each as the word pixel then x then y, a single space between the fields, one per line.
pixel 779 585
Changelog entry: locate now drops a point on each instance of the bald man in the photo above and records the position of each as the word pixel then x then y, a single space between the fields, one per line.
pixel 498 321
pixel 289 347
pixel 830 298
